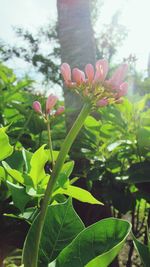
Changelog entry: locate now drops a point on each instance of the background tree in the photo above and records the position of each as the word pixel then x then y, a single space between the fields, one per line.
pixel 110 38
pixel 76 40
pixel 40 50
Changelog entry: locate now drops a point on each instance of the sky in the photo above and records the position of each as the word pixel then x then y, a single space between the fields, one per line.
pixel 136 17
pixel 31 14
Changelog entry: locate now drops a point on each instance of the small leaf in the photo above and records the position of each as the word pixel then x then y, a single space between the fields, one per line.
pixel 55 154
pixel 79 194
pixel 5 148
pixel 38 161
pixel 143 138
pixel 92 123
pixel 97 245
pixel 19 196
pixel 2 173
pixel 65 173
pixel 144 252
pixel 52 264
pixel 16 175
pixel 61 226
pixel 19 160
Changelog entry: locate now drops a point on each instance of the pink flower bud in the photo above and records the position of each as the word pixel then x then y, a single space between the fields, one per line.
pixel 118 76
pixel 103 102
pixel 123 89
pixel 37 107
pixel 101 70
pixel 50 103
pixel 60 110
pixel 78 76
pixel 66 72
pixel 89 70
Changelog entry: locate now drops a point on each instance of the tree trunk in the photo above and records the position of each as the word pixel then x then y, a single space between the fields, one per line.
pixel 77 42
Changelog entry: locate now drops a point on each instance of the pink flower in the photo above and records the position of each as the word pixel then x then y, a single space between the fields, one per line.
pixel 50 103
pixel 37 107
pixel 95 85
pixel 119 75
pixel 59 111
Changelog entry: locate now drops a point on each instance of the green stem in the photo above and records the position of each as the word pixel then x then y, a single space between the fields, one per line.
pixel 50 140
pixel 52 181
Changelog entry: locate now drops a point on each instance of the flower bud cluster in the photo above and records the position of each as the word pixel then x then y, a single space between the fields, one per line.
pixel 50 103
pixel 93 85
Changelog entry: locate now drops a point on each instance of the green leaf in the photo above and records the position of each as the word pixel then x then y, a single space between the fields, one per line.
pixel 18 106
pixel 140 105
pixel 52 264
pixel 143 138
pixel 92 123
pixel 144 118
pixel 126 109
pixel 65 173
pixel 5 148
pixel 27 155
pixel 55 154
pixel 107 130
pixel 2 173
pixel 16 175
pixel 97 245
pixel 143 250
pixel 19 160
pixel 38 161
pixel 61 226
pixel 19 195
pixel 79 194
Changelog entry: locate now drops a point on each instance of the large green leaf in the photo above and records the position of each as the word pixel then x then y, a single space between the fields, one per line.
pixel 38 161
pixel 61 226
pixel 97 245
pixel 5 148
pixel 144 252
pixel 78 193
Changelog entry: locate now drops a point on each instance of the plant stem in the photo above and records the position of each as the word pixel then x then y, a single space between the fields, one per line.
pixel 52 181
pixel 50 140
